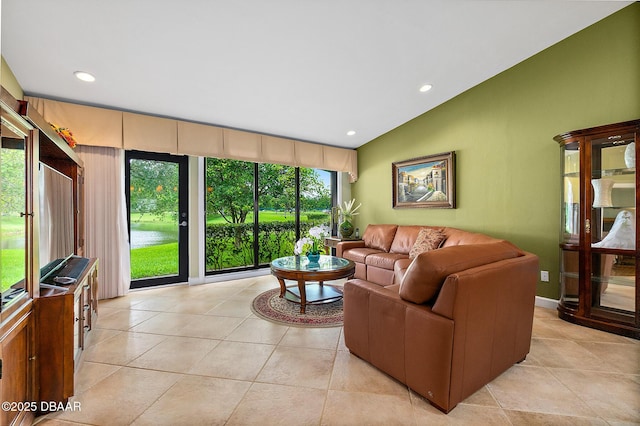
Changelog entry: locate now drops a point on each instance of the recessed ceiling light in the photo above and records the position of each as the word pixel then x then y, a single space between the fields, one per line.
pixel 425 88
pixel 351 132
pixel 84 76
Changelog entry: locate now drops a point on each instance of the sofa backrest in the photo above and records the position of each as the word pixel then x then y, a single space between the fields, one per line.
pixel 379 236
pixel 405 238
pixel 458 237
pixel 426 274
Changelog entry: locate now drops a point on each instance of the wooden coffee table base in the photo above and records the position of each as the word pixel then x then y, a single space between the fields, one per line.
pixel 309 294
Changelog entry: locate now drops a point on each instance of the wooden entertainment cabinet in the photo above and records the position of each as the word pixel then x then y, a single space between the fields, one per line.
pixel 64 318
pixel 43 327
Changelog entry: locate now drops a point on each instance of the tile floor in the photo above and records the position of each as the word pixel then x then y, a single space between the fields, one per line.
pixel 197 355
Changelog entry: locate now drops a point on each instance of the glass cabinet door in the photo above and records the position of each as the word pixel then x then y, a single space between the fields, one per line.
pixel 571 220
pixel 13 224
pixel 612 217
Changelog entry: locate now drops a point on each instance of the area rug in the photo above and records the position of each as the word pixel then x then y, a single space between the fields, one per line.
pixel 271 307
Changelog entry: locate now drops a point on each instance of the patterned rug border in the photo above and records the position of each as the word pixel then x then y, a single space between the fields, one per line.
pixel 270 307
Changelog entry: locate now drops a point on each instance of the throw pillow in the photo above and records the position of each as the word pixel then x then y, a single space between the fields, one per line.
pixel 428 239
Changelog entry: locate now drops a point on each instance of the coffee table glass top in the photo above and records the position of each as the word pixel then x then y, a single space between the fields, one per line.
pixel 301 263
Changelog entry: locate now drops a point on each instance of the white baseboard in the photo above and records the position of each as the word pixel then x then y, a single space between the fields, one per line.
pixel 544 302
pixel 229 276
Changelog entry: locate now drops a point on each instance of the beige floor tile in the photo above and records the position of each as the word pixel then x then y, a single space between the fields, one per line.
pixel 122 349
pixel 482 397
pixel 46 421
pixel 123 319
pixel 268 404
pixel 547 329
pixel 157 303
pixel 298 367
pixel 320 338
pixel 231 308
pixel 623 358
pixel 580 333
pixel 565 354
pixel 90 373
pixel 534 419
pixel 358 408
pixel 258 331
pixel 165 323
pixel 120 398
pixel 462 414
pixel 122 302
pixel 175 354
pixel 341 345
pixel 613 397
pixel 536 389
pixel 248 294
pixel 352 374
pixel 234 360
pixel 198 306
pixel 195 400
pixel 97 335
pixel 210 327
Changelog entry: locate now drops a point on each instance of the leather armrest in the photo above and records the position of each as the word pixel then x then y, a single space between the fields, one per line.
pixel 346 245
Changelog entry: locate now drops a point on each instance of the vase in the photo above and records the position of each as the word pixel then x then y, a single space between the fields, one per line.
pixel 346 229
pixel 602 192
pixel 313 257
pixel 630 155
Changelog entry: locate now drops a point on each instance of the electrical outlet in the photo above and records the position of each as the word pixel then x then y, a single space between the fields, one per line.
pixel 544 276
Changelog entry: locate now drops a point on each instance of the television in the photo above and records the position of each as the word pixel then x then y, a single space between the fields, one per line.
pixel 57 230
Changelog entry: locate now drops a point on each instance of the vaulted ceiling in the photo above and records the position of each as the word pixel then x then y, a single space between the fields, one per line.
pixel 302 69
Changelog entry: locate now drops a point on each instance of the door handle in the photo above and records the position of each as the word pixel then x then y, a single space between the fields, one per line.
pixel 183 223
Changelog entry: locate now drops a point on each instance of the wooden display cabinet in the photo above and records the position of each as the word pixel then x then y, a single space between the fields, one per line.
pixel 599 246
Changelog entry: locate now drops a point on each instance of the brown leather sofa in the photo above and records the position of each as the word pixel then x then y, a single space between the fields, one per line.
pixel 447 322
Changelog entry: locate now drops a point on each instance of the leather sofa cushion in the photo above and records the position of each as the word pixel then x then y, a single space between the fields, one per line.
pixel 405 238
pixel 379 236
pixel 428 239
pixel 384 260
pixel 427 272
pixel 359 255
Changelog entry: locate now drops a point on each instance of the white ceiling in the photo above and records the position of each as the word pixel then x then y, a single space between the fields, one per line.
pixel 302 69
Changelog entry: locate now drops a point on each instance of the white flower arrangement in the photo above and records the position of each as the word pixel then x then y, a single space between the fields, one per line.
pixel 314 243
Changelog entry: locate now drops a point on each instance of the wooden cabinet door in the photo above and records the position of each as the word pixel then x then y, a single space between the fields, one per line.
pixel 16 352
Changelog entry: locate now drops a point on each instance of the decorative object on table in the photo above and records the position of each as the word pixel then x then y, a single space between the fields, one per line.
pixel 65 134
pixel 271 307
pixel 630 155
pixel 622 234
pixel 313 245
pixel 348 212
pixel 602 192
pixel 425 182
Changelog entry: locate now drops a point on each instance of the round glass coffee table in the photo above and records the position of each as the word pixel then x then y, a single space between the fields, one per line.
pixel 301 270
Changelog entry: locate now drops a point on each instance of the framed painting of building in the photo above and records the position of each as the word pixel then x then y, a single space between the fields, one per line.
pixel 425 182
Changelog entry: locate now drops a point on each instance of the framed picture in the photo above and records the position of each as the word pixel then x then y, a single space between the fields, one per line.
pixel 425 182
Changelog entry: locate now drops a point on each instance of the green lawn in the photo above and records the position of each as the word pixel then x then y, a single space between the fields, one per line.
pixel 154 261
pixel 12 265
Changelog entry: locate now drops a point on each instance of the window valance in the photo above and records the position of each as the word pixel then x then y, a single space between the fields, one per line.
pixel 106 127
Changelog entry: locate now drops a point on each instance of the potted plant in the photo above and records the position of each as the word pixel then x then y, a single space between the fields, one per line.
pixel 313 245
pixel 347 212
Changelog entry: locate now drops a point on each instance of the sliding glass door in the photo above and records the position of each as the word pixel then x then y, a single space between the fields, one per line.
pixel 157 203
pixel 256 212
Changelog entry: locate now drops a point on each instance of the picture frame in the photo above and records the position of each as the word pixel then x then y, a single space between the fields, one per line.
pixel 425 182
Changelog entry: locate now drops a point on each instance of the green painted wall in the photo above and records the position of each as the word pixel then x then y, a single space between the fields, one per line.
pixel 508 178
